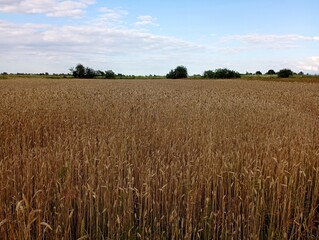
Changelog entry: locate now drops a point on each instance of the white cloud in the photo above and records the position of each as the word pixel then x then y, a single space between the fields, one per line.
pixel 110 17
pixel 255 38
pixel 269 41
pixel 146 20
pixel 110 41
pixel 113 39
pixel 94 45
pixel 310 64
pixel 51 8
pixel 28 47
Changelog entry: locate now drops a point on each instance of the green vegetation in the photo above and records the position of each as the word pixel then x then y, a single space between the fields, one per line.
pixel 285 73
pixel 80 71
pixel 271 72
pixel 109 74
pixel 221 73
pixel 179 72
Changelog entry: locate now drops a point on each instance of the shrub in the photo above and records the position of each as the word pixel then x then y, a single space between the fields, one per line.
pixel 179 72
pixel 89 73
pixel 99 73
pixel 221 73
pixel 78 71
pixel 259 73
pixel 209 74
pixel 271 72
pixel 171 74
pixel 109 74
pixel 86 72
pixel 285 73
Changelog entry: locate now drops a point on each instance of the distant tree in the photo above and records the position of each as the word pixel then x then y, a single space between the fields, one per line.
pixel 83 72
pixel 89 73
pixel 120 75
pixel 99 73
pixel 181 72
pixel 221 73
pixel 4 73
pixel 178 72
pixel 271 72
pixel 197 76
pixel 285 73
pixel 224 73
pixel 259 73
pixel 301 73
pixel 171 74
pixel 109 74
pixel 78 71
pixel 209 74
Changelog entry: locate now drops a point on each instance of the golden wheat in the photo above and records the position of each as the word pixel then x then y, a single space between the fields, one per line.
pixel 158 159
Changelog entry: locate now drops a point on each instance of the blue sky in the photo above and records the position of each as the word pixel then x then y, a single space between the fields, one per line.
pixel 151 37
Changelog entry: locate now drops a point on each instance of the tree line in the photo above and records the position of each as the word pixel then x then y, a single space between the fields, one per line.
pixel 86 72
pixel 80 71
pixel 224 73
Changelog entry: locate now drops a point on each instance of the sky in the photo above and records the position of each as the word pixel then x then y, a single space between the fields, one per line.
pixel 143 37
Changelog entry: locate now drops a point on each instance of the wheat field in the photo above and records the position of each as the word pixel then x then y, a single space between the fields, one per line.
pixel 158 159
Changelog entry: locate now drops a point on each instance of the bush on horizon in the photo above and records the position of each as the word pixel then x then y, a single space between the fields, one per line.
pixel 178 72
pixel 285 73
pixel 221 73
pixel 86 72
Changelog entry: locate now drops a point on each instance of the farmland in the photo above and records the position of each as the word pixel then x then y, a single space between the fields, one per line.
pixel 158 159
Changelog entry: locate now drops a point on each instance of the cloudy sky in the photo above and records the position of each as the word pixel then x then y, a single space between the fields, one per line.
pixel 151 37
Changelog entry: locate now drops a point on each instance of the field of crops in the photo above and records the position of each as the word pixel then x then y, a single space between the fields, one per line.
pixel 158 159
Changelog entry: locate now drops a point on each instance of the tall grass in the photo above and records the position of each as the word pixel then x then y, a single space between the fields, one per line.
pixel 83 159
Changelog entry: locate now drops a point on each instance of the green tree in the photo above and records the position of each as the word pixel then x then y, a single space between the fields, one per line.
pixel 171 74
pixel 209 74
pixel 285 73
pixel 221 73
pixel 179 72
pixel 89 73
pixel 109 74
pixel 259 73
pixel 78 71
pixel 120 75
pixel 271 72
pixel 99 73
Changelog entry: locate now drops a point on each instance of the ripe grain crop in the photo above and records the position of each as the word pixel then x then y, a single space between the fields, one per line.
pixel 158 159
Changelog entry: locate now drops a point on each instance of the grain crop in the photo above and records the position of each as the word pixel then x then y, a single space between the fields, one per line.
pixel 158 159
